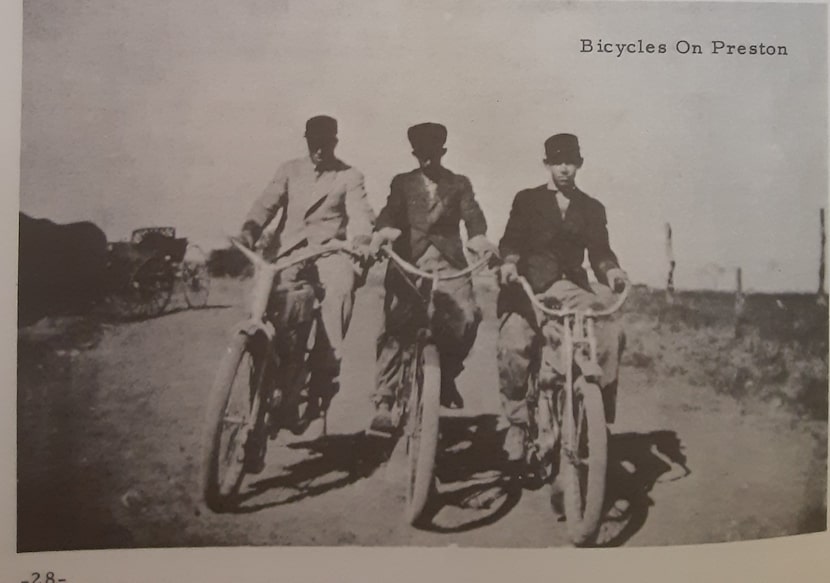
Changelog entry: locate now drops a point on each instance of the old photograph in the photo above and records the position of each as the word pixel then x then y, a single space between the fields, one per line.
pixel 421 274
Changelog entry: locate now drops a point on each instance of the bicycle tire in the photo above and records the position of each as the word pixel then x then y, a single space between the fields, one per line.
pixel 584 478
pixel 422 440
pixel 221 489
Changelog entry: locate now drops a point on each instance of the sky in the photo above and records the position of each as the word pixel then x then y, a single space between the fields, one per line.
pixel 179 111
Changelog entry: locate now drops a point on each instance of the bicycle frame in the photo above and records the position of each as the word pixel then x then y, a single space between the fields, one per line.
pixel 418 398
pixel 578 350
pixel 423 335
pixel 257 337
pixel 265 274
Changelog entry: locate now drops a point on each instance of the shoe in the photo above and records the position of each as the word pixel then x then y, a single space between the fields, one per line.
pixel 382 422
pixel 450 397
pixel 311 414
pixel 514 443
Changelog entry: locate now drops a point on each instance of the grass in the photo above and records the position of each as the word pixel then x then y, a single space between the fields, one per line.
pixel 779 353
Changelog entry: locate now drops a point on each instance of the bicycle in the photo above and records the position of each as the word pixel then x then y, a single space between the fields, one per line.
pixel 567 422
pixel 417 402
pixel 246 410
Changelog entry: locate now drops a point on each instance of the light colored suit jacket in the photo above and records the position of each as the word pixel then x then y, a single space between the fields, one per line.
pixel 317 205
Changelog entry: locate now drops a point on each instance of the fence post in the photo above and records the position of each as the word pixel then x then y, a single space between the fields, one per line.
pixel 740 303
pixel 671 264
pixel 822 289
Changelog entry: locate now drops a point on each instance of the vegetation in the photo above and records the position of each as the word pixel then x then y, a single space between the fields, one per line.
pixel 228 262
pixel 778 354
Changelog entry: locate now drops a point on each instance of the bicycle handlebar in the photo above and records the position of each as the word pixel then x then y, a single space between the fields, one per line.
pixel 413 270
pixel 284 264
pixel 561 313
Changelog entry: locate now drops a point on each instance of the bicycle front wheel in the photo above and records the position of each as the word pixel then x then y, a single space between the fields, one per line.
pixel 234 411
pixel 422 432
pixel 584 461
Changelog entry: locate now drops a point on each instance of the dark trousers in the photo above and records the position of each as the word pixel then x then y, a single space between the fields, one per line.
pixel 454 323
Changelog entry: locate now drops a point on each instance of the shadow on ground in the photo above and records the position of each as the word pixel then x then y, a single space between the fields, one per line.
pixel 476 490
pixel 636 462
pixel 117 318
pixel 59 493
pixel 329 462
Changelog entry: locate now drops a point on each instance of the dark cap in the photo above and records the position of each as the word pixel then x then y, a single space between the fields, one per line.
pixel 427 136
pixel 562 148
pixel 321 126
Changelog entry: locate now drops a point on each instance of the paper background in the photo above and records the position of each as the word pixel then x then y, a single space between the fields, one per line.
pixel 800 558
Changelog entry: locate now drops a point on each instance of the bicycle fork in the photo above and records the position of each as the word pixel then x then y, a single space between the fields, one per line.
pixel 580 350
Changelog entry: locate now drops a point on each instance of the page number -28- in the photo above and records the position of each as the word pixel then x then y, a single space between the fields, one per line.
pixel 44 578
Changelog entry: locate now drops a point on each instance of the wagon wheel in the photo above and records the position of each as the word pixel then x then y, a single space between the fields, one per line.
pixel 149 289
pixel 195 277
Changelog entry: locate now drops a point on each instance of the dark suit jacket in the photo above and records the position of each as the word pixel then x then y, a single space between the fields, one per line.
pixel 547 248
pixel 436 222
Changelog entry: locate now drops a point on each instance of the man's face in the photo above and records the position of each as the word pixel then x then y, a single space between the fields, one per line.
pixel 321 150
pixel 563 173
pixel 429 159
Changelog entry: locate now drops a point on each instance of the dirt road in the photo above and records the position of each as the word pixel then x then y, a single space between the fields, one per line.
pixel 110 422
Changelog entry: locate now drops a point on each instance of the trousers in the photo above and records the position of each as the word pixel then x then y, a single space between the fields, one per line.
pixel 454 323
pixel 334 279
pixel 529 344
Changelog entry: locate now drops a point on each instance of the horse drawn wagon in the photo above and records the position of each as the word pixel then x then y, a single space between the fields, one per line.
pixel 144 272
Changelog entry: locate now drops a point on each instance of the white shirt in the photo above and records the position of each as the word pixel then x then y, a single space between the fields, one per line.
pixel 561 200
pixel 432 187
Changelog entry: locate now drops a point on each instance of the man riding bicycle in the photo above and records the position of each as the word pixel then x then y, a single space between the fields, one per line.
pixel 549 230
pixel 422 216
pixel 319 196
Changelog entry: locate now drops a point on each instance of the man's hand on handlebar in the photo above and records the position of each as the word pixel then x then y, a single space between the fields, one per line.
pixel 508 273
pixel 361 244
pixel 247 238
pixel 481 247
pixel 617 279
pixel 382 237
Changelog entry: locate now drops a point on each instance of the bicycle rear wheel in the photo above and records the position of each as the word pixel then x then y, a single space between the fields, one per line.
pixel 584 461
pixel 234 412
pixel 422 432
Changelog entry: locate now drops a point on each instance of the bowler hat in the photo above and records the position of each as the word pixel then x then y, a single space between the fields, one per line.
pixel 562 147
pixel 427 136
pixel 321 126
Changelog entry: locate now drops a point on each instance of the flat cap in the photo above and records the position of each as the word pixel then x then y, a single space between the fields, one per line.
pixel 321 126
pixel 562 147
pixel 426 136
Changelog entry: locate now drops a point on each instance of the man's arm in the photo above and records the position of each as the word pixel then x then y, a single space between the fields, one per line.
pixel 600 255
pixel 471 212
pixel 512 243
pixel 393 214
pixel 360 212
pixel 265 208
